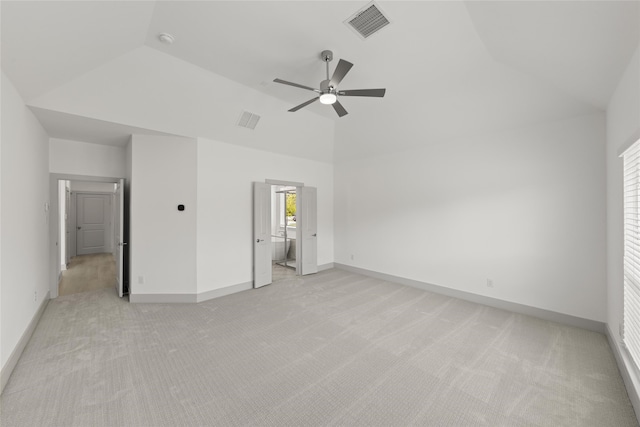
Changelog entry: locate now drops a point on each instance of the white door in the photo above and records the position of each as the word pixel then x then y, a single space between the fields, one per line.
pixel 308 223
pixel 67 225
pixel 261 234
pixel 91 223
pixel 119 234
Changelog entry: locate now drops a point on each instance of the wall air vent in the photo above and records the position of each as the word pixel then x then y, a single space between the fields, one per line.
pixel 248 120
pixel 368 20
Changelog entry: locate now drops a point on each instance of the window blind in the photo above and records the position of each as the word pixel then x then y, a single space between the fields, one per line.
pixel 631 320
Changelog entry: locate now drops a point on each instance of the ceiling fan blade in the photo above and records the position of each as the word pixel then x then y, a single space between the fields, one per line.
pixel 341 70
pixel 339 109
pixel 304 104
pixel 284 82
pixel 363 92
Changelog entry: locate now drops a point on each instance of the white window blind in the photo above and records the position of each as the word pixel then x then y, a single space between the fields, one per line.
pixel 631 329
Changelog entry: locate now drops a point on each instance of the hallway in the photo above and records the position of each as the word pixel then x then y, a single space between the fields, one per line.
pixel 88 273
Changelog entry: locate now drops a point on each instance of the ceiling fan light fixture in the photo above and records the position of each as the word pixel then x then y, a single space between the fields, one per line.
pixel 328 98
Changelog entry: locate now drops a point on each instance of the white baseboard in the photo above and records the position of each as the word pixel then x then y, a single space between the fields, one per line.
pixel 203 296
pixel 189 298
pixel 327 266
pixel 566 319
pixel 627 369
pixel 217 293
pixel 7 370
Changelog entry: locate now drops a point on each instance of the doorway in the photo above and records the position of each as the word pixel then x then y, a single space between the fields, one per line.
pixel 89 237
pixel 285 237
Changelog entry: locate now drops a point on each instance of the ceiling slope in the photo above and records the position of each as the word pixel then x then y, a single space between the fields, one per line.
pixel 80 128
pixel 451 68
pixel 48 43
pixel 148 89
pixel 580 47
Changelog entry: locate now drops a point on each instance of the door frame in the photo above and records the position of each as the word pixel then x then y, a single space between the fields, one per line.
pixel 53 219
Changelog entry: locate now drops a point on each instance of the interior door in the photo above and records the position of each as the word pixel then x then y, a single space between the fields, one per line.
pixel 261 234
pixel 309 229
pixel 67 225
pixel 119 235
pixel 91 223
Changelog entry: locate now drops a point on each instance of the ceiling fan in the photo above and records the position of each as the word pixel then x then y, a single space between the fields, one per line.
pixel 328 92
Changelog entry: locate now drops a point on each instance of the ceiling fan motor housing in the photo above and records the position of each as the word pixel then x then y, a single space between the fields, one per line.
pixel 326 55
pixel 325 87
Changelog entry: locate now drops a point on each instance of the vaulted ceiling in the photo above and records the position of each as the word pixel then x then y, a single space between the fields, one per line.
pixel 451 68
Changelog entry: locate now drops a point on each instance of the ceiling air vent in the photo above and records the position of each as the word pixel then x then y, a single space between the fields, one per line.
pixel 248 120
pixel 368 20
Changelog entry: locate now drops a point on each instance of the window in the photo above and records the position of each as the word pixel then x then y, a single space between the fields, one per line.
pixel 631 334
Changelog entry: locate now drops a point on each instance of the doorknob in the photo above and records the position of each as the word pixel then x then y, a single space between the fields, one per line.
pixel 259 240
pixel 314 235
pixel 79 227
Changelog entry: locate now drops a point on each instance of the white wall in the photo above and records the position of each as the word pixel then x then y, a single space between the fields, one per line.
pixel 623 127
pixel 163 240
pixel 225 176
pixel 25 228
pixel 524 208
pixel 83 158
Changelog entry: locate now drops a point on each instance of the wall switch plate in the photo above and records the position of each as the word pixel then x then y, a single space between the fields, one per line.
pixel 141 280
pixel 489 283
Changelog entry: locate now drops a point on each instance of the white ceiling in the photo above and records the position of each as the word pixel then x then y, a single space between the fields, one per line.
pixel 450 68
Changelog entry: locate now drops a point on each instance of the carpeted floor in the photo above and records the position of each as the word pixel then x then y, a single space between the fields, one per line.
pixel 334 348
pixel 280 272
pixel 88 273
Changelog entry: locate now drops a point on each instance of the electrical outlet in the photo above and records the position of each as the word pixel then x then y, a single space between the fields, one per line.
pixel 141 280
pixel 489 283
pixel 351 257
pixel 35 296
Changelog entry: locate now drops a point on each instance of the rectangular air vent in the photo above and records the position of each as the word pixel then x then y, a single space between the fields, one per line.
pixel 368 20
pixel 248 120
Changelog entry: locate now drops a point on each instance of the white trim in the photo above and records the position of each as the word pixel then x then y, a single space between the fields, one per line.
pixel 285 183
pixel 217 293
pixel 327 266
pixel 553 316
pixel 627 368
pixel 7 370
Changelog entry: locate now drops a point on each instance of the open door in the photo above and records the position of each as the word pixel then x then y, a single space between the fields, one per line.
pixel 120 243
pixel 308 214
pixel 67 224
pixel 261 234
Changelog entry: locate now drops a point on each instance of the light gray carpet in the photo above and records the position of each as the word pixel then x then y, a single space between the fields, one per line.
pixel 88 273
pixel 335 348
